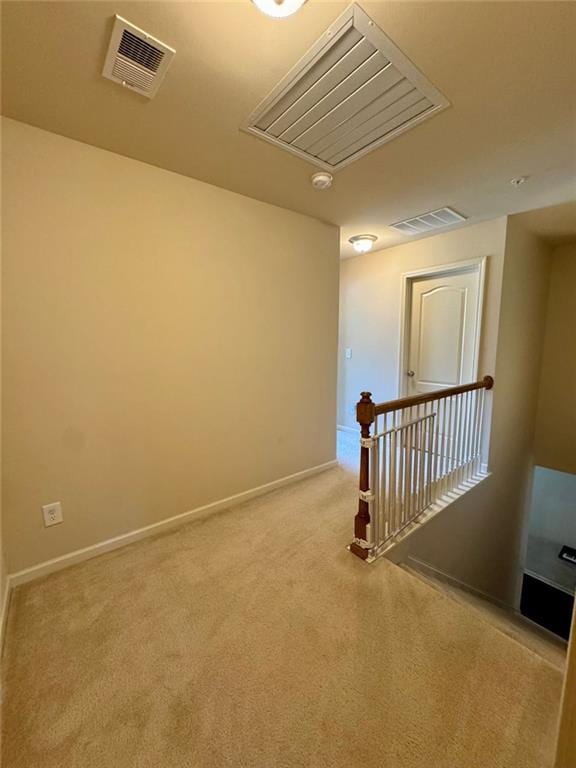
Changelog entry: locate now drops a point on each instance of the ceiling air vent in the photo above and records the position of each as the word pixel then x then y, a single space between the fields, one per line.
pixel 352 91
pixel 443 217
pixel 135 59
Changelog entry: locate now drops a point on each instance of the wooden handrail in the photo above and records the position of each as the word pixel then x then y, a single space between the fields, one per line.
pixel 366 413
pixel 440 394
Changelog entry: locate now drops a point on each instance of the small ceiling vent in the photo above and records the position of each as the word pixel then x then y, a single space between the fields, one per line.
pixel 135 59
pixel 443 217
pixel 352 91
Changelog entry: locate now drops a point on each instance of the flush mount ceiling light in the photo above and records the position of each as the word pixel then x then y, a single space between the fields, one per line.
pixel 279 9
pixel 363 243
pixel 518 181
pixel 322 180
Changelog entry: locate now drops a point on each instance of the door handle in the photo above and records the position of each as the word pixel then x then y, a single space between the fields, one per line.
pixel 410 373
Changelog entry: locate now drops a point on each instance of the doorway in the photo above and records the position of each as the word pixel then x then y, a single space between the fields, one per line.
pixel 441 323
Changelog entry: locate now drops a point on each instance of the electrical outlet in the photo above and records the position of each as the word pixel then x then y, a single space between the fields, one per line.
pixel 52 514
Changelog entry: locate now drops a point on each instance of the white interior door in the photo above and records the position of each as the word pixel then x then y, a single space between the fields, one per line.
pixel 442 330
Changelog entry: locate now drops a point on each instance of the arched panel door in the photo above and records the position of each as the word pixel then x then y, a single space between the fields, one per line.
pixel 443 331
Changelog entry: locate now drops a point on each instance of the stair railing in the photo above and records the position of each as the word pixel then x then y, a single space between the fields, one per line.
pixel 423 447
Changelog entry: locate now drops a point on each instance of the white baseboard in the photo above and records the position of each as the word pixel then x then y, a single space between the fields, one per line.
pixel 342 428
pixel 58 563
pixel 4 608
pixel 4 611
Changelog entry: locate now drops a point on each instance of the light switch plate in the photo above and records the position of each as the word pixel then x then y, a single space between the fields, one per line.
pixel 52 514
pixel 348 353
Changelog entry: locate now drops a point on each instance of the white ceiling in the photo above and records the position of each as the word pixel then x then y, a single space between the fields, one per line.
pixel 507 68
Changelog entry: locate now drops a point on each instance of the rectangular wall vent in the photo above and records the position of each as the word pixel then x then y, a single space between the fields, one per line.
pixel 426 222
pixel 135 59
pixel 352 91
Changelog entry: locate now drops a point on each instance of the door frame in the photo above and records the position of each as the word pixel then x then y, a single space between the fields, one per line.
pixel 466 265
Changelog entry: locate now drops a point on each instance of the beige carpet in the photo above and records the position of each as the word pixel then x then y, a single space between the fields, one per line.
pixel 253 639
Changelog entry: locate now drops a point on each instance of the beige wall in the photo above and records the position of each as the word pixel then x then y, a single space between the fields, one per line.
pixel 3 575
pixel 3 579
pixel 3 572
pixel 167 343
pixel 478 539
pixel 520 344
pixel 556 421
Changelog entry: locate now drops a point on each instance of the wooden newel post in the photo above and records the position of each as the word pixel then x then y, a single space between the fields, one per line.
pixel 365 417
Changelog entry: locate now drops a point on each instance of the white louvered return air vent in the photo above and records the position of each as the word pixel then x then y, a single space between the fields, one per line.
pixel 426 222
pixel 352 91
pixel 135 59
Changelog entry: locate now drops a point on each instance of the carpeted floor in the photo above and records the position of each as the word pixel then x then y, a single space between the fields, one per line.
pixel 253 639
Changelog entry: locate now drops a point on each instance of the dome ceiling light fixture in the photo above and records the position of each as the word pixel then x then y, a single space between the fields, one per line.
pixel 279 9
pixel 362 243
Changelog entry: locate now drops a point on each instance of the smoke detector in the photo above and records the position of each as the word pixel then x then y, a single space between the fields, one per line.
pixel 135 59
pixel 322 180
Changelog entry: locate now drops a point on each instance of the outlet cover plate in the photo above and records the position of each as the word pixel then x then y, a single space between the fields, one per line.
pixel 52 514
